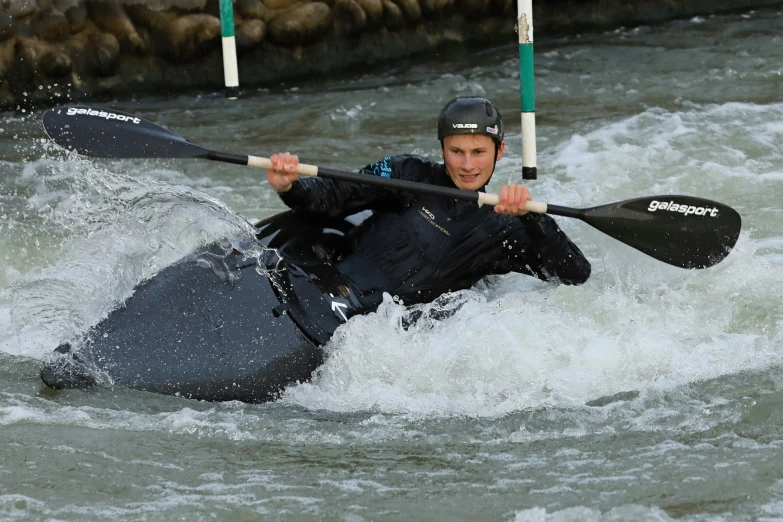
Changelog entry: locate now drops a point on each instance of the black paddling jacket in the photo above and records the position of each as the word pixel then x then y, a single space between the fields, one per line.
pixel 419 247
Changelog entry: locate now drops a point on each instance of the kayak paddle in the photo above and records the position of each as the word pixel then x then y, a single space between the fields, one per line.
pixel 683 231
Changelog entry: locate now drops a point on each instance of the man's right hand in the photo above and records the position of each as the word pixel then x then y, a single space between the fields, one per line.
pixel 512 200
pixel 284 171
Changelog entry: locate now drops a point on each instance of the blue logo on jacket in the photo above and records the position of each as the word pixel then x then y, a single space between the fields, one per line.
pixel 382 168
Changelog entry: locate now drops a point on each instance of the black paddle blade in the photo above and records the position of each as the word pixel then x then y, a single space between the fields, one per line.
pixel 683 231
pixel 106 133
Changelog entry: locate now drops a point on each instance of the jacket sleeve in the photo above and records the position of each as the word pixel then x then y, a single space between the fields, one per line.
pixel 548 253
pixel 341 198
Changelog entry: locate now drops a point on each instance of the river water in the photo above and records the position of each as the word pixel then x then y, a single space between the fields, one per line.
pixel 649 393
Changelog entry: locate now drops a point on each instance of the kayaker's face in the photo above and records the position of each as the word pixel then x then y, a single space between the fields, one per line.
pixel 470 160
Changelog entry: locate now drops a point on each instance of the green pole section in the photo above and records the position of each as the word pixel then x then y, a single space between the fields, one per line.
pixel 226 18
pixel 527 88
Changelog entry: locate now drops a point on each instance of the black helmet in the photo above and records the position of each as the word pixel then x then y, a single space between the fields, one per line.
pixel 470 115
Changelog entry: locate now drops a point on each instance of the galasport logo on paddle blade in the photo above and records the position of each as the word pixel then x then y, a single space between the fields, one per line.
pixel 109 133
pixel 686 209
pixel 73 111
pixel 684 231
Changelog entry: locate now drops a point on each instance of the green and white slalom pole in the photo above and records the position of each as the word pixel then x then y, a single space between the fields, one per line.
pixel 527 91
pixel 230 70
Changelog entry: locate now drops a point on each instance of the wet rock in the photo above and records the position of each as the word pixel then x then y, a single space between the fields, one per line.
pixel 200 6
pixel 56 64
pixel 392 15
pixel 188 37
pixel 502 6
pixel 7 98
pixel 37 59
pixel 143 16
pixel 23 30
pixel 436 8
pixel 472 8
pixel 106 55
pixel 281 4
pixel 211 7
pixel 7 29
pixel 374 11
pixel 52 26
pixel 78 48
pixel 255 9
pixel 64 5
pixel 18 8
pixel 250 34
pixel 77 18
pixel 411 10
pixel 110 17
pixel 7 58
pixel 301 25
pixel 350 17
pixel 27 52
pixel 94 52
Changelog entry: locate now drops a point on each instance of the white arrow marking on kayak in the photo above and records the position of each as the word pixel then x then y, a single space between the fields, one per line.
pixel 336 306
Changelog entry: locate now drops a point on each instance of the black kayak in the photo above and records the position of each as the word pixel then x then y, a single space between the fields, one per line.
pixel 218 325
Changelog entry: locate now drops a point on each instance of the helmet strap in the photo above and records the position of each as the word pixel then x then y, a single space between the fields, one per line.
pixel 494 160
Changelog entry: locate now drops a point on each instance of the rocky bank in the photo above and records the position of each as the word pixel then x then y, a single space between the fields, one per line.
pixel 53 51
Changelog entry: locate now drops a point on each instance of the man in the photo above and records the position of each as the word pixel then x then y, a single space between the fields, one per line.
pixel 418 247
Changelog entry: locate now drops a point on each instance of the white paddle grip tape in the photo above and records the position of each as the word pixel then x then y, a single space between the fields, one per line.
pixel 259 162
pixel 494 199
pixel 307 170
pixel 536 206
pixel 488 199
pixel 266 163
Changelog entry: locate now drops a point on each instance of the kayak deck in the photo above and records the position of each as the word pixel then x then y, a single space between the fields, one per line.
pixel 218 326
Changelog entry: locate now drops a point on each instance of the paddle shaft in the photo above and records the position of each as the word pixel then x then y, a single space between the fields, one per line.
pixel 683 231
pixel 481 198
